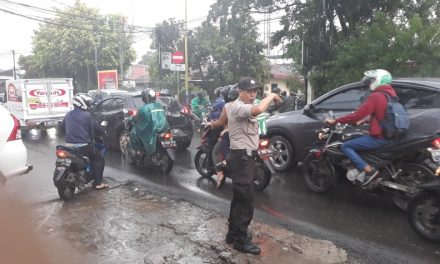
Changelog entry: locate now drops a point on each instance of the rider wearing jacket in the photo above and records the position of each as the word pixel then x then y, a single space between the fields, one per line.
pixel 148 123
pixel 80 128
pixel 374 108
pixel 199 103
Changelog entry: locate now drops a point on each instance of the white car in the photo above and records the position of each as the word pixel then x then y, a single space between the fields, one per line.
pixel 13 153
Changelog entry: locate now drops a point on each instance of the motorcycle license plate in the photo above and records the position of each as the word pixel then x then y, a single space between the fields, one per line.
pixel 168 144
pixel 63 162
pixel 435 153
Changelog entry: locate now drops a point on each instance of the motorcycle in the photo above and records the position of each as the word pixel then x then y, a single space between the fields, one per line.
pixel 206 167
pixel 424 207
pixel 73 167
pixel 164 156
pixel 403 164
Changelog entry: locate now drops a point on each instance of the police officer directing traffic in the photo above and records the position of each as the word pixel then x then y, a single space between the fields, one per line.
pixel 244 139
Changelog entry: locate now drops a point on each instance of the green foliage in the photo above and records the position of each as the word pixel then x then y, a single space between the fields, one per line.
pixel 66 46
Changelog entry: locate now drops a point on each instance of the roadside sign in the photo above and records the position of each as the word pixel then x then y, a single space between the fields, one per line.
pixel 177 58
pixel 108 79
pixel 178 67
pixel 165 59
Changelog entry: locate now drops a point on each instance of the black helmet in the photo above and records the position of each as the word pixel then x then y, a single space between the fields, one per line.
pixel 148 95
pixel 276 90
pixel 232 93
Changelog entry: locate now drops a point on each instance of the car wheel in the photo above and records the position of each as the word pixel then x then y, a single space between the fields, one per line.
pixel 283 154
pixel 123 141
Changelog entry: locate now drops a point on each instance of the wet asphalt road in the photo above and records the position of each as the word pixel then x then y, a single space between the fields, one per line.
pixel 369 227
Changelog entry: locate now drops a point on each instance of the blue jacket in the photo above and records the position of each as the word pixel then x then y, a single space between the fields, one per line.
pixel 79 126
pixel 217 108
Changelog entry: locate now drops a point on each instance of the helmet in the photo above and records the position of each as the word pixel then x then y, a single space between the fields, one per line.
pixel 225 90
pixel 148 95
pixel 276 90
pixel 82 101
pixel 376 78
pixel 218 91
pixel 232 93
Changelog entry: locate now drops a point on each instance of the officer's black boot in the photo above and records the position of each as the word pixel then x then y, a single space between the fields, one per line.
pixel 231 237
pixel 246 246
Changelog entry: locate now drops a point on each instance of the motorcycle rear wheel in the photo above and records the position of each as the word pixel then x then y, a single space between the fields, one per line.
pixel 166 163
pixel 66 192
pixel 319 174
pixel 262 177
pixel 424 216
pixel 202 164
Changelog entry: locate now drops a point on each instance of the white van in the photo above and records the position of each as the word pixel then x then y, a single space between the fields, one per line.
pixel 39 103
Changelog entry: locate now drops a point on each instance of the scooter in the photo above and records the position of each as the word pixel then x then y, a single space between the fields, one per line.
pixel 73 168
pixel 164 156
pixel 206 167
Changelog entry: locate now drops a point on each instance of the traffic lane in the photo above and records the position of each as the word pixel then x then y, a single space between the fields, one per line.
pixel 342 215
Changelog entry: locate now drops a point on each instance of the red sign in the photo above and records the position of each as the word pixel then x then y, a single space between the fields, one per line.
pixel 108 79
pixel 41 92
pixel 177 58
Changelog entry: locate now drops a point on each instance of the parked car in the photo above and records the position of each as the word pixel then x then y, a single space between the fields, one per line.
pixel 13 153
pixel 293 133
pixel 111 109
pixel 99 95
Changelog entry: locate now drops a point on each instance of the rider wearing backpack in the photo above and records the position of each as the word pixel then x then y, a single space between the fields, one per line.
pixel 375 107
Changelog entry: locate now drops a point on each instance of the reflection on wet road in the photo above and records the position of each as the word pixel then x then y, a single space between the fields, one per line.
pixel 367 224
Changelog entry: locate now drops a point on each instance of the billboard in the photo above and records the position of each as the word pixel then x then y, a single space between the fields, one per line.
pixel 108 79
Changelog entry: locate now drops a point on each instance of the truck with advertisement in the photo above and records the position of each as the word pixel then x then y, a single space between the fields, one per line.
pixel 39 103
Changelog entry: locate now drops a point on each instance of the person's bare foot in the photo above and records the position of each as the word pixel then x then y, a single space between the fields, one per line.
pixel 102 186
pixel 220 179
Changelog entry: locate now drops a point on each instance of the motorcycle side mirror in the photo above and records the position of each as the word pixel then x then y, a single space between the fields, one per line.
pixel 331 114
pixel 104 123
pixel 309 109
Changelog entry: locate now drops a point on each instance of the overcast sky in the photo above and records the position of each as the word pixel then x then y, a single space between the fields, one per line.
pixel 16 31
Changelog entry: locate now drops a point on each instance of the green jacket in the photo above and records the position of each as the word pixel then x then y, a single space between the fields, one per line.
pixel 147 124
pixel 198 106
pixel 261 119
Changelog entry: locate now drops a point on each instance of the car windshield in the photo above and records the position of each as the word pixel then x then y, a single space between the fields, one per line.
pixel 138 101
pixel 168 101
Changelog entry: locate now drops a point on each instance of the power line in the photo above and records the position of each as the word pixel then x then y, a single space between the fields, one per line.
pixel 57 12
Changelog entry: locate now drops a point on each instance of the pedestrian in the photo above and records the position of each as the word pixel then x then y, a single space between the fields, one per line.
pixel 244 139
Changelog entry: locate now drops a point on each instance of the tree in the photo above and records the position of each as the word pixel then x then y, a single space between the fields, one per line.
pixel 77 43
pixel 165 36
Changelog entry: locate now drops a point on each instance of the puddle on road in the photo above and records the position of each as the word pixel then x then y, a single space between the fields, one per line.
pixel 129 225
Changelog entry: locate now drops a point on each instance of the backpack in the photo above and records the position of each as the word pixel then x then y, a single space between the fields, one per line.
pixel 396 120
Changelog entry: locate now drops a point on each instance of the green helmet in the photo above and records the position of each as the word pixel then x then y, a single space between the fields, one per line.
pixel 376 78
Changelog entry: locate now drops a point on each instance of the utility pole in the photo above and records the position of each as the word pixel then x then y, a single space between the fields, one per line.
pixel 186 51
pixel 121 49
pixel 14 72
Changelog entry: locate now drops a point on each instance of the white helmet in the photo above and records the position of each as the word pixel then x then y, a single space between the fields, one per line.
pixel 82 101
pixel 376 78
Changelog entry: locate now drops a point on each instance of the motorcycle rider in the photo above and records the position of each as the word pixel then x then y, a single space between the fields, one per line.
pixel 373 108
pixel 221 148
pixel 218 105
pixel 199 103
pixel 147 124
pixel 80 128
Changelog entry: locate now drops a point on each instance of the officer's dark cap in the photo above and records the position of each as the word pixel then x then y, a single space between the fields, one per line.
pixel 248 83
